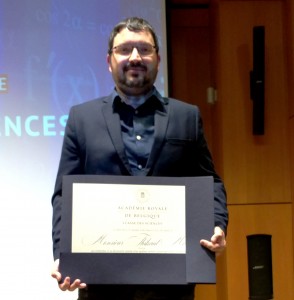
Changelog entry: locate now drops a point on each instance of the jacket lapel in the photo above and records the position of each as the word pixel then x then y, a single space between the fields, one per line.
pixel 161 123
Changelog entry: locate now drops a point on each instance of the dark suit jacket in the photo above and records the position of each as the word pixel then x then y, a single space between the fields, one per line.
pixel 93 145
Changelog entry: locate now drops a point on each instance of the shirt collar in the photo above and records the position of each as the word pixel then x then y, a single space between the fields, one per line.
pixel 154 94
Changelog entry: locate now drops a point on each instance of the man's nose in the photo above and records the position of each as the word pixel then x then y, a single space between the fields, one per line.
pixel 135 55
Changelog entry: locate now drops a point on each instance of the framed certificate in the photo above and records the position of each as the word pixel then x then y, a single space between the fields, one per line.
pixel 137 230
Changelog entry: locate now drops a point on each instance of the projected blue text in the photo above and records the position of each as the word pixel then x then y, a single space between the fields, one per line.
pixel 33 126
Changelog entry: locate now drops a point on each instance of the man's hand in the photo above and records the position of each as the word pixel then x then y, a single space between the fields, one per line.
pixel 65 285
pixel 217 242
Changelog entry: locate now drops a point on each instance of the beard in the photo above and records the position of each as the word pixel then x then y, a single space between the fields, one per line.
pixel 135 75
pixel 134 78
pixel 135 82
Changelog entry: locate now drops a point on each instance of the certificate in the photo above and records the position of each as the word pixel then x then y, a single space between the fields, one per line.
pixel 137 230
pixel 124 218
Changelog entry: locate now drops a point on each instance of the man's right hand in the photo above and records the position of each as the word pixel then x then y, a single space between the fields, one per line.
pixel 65 285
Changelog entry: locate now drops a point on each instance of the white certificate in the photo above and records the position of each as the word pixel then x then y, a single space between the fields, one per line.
pixel 128 218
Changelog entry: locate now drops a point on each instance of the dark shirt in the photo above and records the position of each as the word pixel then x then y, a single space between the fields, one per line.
pixel 137 128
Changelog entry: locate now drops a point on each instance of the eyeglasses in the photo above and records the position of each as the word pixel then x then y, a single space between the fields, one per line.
pixel 144 49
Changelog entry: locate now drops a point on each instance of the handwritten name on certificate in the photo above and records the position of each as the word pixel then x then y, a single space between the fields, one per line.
pixel 123 218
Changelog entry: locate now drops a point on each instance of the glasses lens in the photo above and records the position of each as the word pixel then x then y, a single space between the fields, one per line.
pixel 124 49
pixel 144 49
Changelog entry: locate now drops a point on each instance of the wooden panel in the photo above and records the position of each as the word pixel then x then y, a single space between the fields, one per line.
pixel 289 18
pixel 250 0
pixel 291 130
pixel 190 60
pixel 189 2
pixel 189 18
pixel 256 168
pixel 274 219
pixel 204 292
pixel 291 125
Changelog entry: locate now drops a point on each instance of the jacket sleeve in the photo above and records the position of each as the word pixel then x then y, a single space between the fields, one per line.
pixel 206 168
pixel 70 163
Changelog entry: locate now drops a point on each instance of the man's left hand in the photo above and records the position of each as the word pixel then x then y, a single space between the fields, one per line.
pixel 217 242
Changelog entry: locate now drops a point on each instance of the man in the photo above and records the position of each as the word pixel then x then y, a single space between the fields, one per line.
pixel 135 132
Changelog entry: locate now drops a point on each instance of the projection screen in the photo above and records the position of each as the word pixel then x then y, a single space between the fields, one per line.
pixel 52 56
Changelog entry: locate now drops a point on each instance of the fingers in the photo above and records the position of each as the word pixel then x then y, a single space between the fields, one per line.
pixel 65 285
pixel 217 243
pixel 219 235
pixel 217 248
pixel 211 246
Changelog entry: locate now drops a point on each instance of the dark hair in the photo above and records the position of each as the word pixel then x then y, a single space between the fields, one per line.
pixel 133 24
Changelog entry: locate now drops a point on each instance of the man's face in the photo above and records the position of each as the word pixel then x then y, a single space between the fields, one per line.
pixel 134 70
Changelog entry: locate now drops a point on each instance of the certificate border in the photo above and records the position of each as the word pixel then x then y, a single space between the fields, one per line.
pixel 196 266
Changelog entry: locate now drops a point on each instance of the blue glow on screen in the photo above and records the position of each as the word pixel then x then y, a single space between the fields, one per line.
pixel 54 54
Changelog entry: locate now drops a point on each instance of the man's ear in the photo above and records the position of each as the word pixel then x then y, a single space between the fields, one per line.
pixel 159 59
pixel 108 58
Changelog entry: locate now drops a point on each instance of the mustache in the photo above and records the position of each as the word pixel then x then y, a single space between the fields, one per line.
pixel 135 64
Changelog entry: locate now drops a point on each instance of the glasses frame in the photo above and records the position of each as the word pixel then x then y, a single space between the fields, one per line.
pixel 133 46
